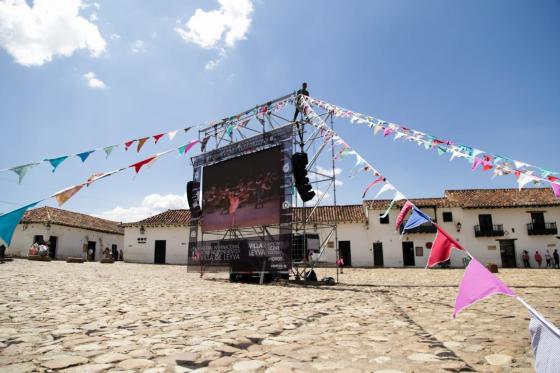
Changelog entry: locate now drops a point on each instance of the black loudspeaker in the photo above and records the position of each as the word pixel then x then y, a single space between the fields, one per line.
pixel 192 199
pixel 299 164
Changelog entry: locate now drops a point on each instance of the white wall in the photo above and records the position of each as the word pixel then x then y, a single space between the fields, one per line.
pixel 485 249
pixel 70 240
pixel 176 247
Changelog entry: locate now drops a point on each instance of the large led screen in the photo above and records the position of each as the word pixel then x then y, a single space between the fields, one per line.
pixel 243 191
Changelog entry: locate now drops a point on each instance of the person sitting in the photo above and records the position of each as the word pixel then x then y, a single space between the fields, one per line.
pixel 33 250
pixel 43 250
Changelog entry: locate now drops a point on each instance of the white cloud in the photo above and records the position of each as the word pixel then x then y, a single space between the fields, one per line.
pixel 115 36
pixel 138 47
pixel 93 82
pixel 93 17
pixel 151 205
pixel 34 35
pixel 224 26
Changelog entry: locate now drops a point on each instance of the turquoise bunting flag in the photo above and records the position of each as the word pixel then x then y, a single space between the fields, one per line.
pixel 9 222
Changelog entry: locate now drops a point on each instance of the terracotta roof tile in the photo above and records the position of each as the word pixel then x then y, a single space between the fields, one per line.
pixel 71 219
pixel 178 217
pixel 329 214
pixel 484 198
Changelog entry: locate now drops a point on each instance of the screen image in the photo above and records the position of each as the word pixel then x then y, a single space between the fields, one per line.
pixel 242 192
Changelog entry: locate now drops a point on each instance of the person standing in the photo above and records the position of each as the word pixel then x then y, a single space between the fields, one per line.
pixel 2 253
pixel 303 91
pixel 340 263
pixel 556 259
pixel 525 258
pixel 538 258
pixel 548 259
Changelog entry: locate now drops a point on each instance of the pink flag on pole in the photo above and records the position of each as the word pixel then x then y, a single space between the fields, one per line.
pixel 477 284
pixel 406 208
pixel 441 247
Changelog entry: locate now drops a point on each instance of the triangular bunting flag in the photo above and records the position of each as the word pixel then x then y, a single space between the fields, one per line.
pixel 187 129
pixel 478 283
pixel 55 162
pixel 158 137
pixel 405 209
pixel 398 135
pixel 99 176
pixel 203 144
pixel 384 189
pixel 21 171
pixel 137 166
pixel 229 130
pixel 185 148
pixel 141 143
pixel 556 189
pixel 441 150
pixel 83 156
pixel 416 219
pixel 9 222
pixel 545 341
pixel 398 196
pixel 172 134
pixel 66 194
pixel 523 178
pixel 108 150
pixel 128 144
pixel 379 179
pixel 378 127
pixel 441 247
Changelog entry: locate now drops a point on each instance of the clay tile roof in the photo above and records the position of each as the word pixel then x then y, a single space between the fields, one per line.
pixel 330 214
pixel 382 204
pixel 179 217
pixel 71 219
pixel 484 198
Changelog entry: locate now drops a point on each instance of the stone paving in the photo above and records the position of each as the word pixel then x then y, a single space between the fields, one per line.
pixel 94 317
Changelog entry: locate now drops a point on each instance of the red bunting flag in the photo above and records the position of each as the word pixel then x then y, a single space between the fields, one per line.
pixel 379 179
pixel 128 144
pixel 141 143
pixel 441 247
pixel 137 166
pixel 157 137
pixel 406 208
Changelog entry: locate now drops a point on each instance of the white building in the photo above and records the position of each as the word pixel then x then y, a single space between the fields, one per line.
pixel 69 234
pixel 494 225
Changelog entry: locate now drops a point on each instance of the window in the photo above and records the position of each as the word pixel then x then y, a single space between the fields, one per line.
pixel 384 220
pixel 485 221
pixel 38 239
pixel 447 216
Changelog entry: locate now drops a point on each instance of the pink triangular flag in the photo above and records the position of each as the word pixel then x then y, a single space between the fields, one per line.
pixel 478 283
pixel 406 208
pixel 556 189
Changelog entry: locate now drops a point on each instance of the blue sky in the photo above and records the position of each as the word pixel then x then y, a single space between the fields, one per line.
pixel 482 73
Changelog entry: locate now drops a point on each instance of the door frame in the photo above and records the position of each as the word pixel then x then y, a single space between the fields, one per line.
pixel 413 256
pixel 347 263
pixel 512 240
pixel 380 245
pixel 164 251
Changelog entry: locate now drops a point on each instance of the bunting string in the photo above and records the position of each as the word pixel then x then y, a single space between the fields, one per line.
pixel 10 220
pixel 478 282
pixel 229 124
pixel 524 172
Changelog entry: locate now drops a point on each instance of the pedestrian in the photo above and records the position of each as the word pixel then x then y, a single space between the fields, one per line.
pixel 538 258
pixel 556 259
pixel 121 258
pixel 548 259
pixel 525 258
pixel 2 253
pixel 90 255
pixel 340 263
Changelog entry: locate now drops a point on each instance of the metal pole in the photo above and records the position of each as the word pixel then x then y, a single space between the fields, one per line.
pixel 334 198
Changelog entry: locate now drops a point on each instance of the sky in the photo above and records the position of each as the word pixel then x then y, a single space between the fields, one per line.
pixel 76 75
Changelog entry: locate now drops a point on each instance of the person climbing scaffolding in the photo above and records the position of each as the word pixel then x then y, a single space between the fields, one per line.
pixel 302 91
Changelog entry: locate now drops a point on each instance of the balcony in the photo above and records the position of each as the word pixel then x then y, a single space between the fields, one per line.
pixel 424 228
pixel 495 230
pixel 535 229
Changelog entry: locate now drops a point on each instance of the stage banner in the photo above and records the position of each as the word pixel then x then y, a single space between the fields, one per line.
pixel 251 254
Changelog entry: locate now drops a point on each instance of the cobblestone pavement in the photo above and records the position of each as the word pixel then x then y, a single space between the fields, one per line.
pixel 96 317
